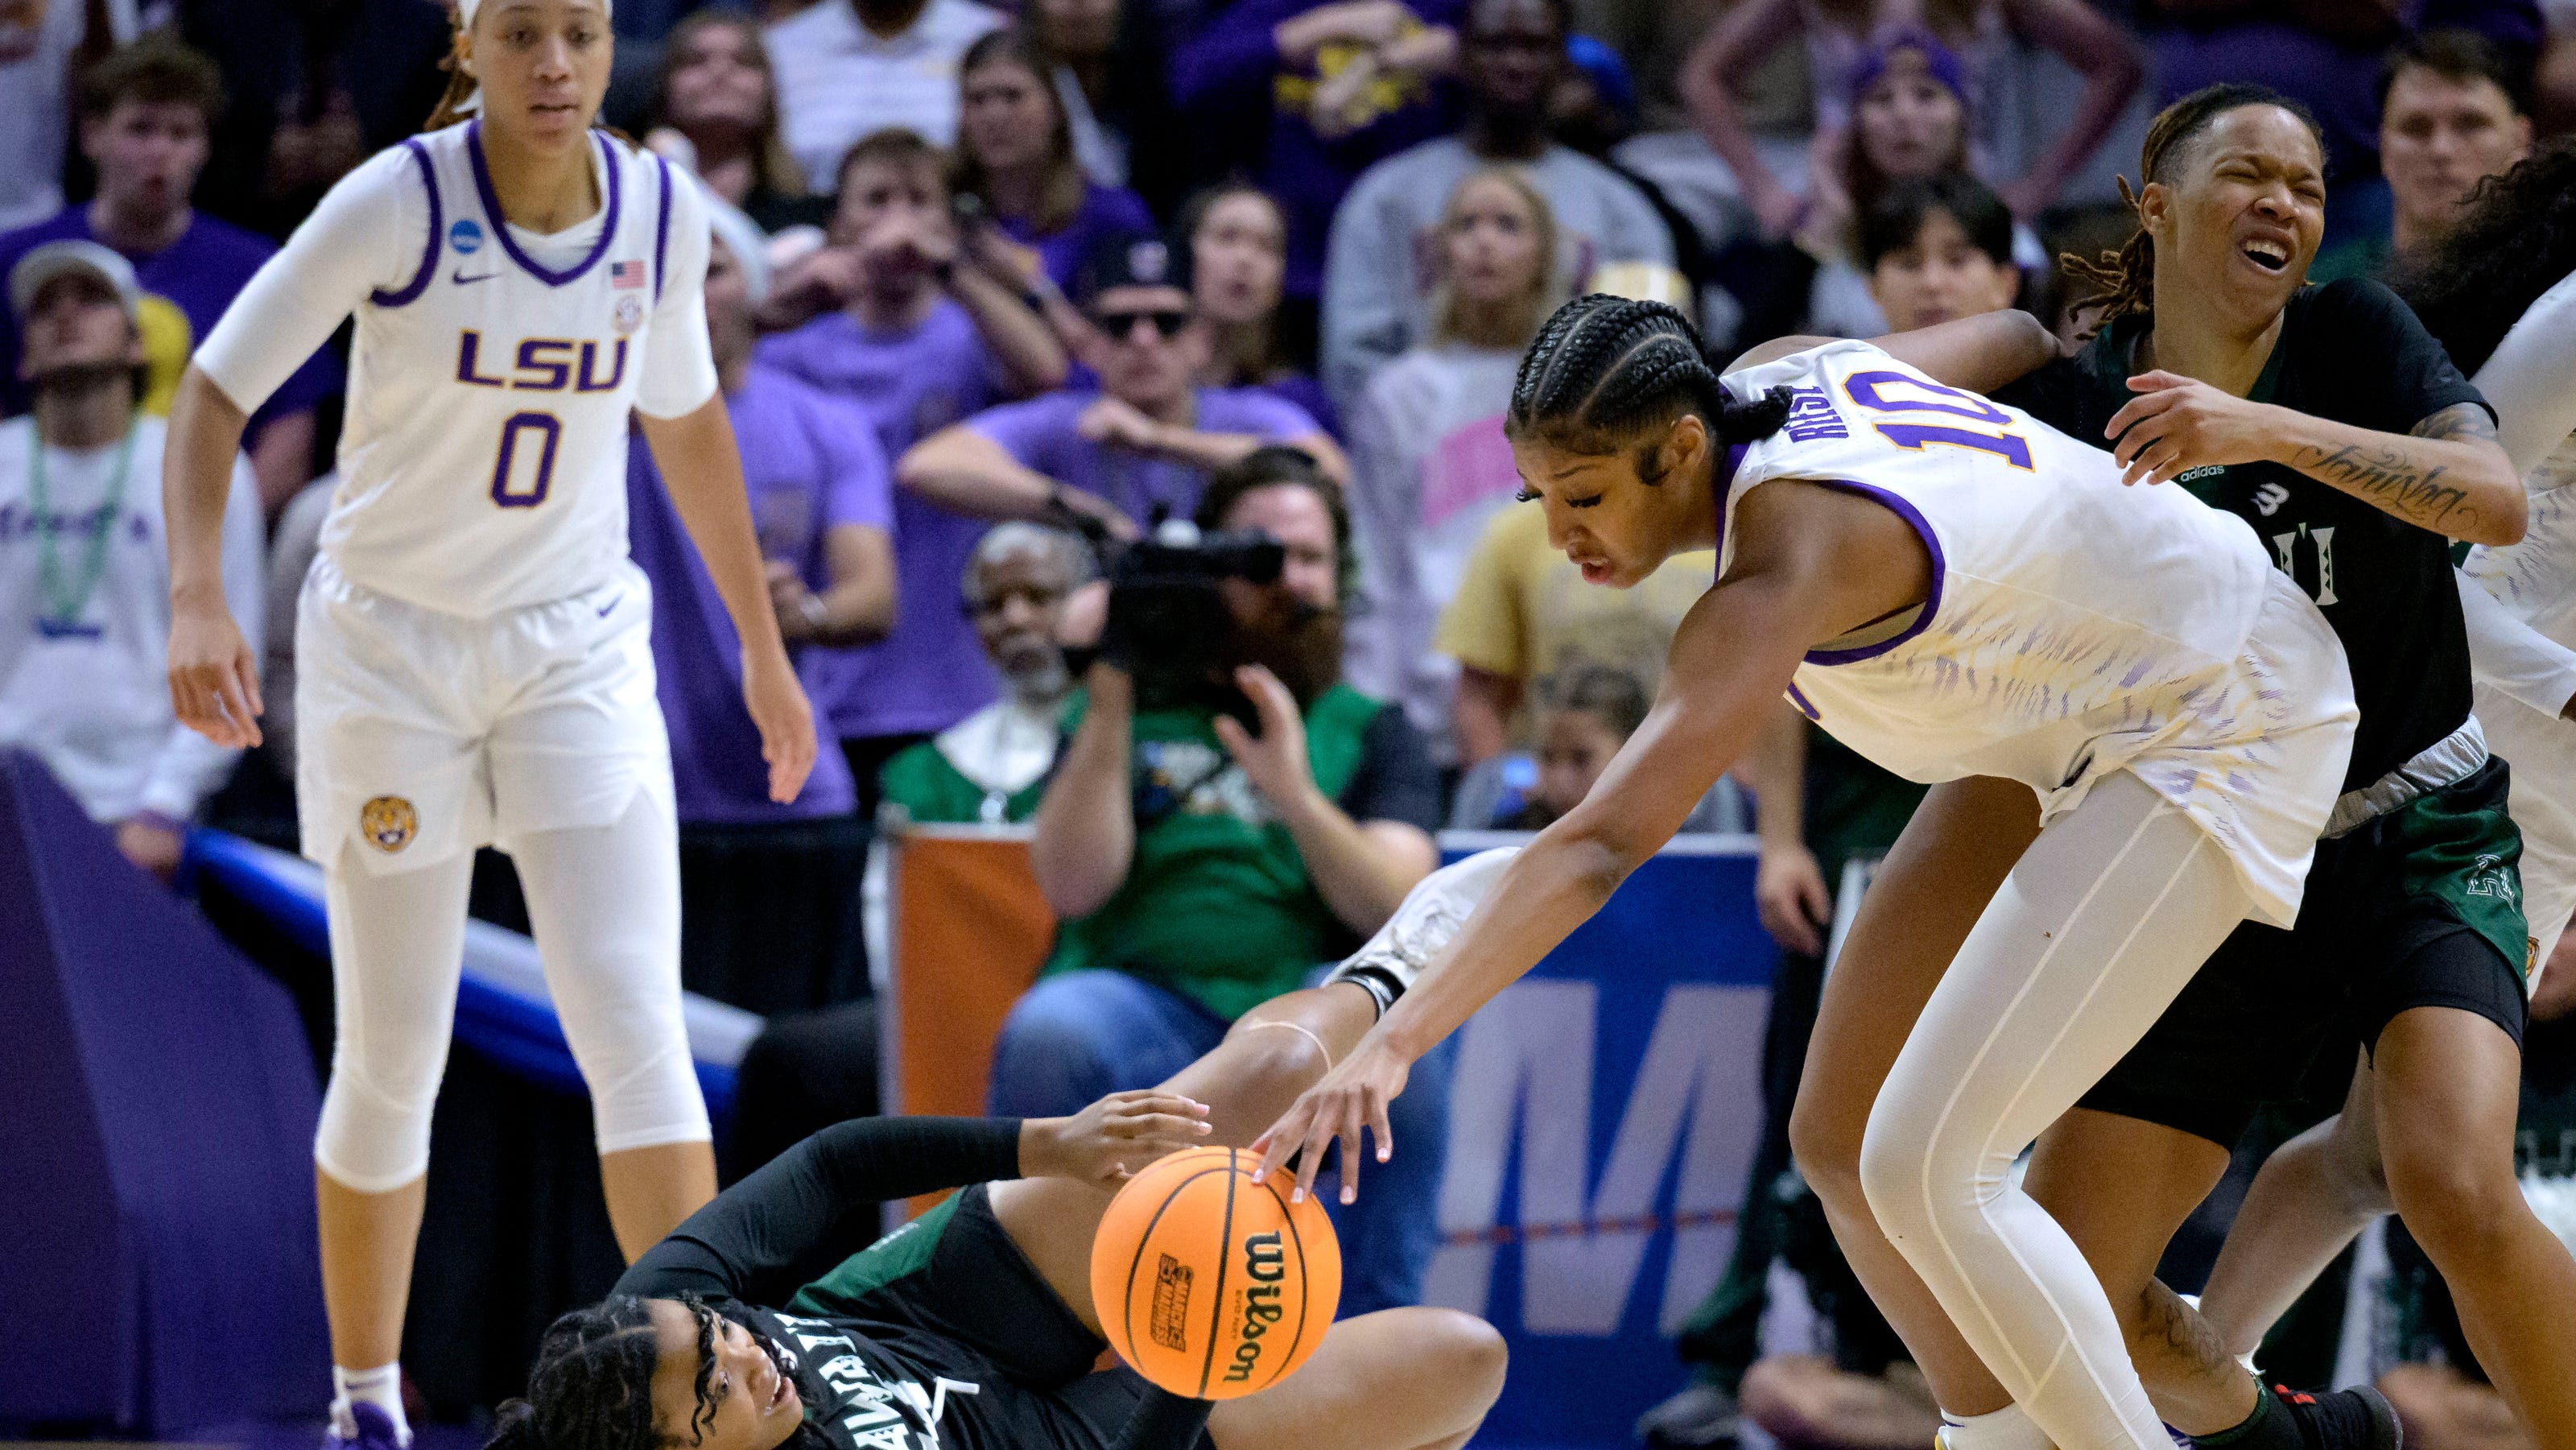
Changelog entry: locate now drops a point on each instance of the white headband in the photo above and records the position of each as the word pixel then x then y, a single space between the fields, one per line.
pixel 465 11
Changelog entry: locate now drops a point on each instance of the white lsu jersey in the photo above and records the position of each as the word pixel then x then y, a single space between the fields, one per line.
pixel 483 460
pixel 2075 625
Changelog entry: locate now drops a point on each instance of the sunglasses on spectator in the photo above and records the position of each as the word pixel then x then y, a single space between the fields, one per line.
pixel 1168 322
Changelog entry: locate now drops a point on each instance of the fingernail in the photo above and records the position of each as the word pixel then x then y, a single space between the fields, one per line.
pixel 1207 1127
pixel 1350 1196
pixel 1296 1195
pixel 1385 1153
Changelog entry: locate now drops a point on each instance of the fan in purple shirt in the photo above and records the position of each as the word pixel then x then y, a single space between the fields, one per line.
pixel 1307 95
pixel 753 873
pixel 1145 441
pixel 148 112
pixel 924 328
pixel 1015 158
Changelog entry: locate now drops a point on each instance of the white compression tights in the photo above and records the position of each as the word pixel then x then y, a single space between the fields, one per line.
pixel 604 902
pixel 2094 933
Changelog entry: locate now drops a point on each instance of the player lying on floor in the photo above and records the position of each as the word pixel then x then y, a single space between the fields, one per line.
pixel 946 1332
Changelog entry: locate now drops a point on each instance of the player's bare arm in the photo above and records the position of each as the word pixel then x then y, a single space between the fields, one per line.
pixel 2448 474
pixel 1980 353
pixel 1811 563
pixel 698 458
pixel 214 672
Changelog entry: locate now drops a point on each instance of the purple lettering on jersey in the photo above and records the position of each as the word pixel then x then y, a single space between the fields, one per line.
pixel 539 373
pixel 1812 416
pixel 616 369
pixel 468 344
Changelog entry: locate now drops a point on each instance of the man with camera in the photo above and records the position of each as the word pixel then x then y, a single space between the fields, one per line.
pixel 1147 438
pixel 1227 817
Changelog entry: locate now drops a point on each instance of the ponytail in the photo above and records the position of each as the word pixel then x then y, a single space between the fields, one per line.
pixel 1606 368
pixel 453 102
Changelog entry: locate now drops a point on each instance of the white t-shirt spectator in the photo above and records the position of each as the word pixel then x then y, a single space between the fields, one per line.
pixel 1380 265
pixel 1429 469
pixel 839 80
pixel 85 621
pixel 35 112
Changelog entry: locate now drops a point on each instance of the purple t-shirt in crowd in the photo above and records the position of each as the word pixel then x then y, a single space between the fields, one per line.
pixel 197 276
pixel 1239 101
pixel 931 672
pixel 811 464
pixel 1041 434
pixel 1106 211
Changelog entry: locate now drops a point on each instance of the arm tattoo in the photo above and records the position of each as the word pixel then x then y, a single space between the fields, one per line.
pixel 2397 484
pixel 2460 420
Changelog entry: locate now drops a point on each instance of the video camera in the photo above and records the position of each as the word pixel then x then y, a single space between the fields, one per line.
pixel 1168 625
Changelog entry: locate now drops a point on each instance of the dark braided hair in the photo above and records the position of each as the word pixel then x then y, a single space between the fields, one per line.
pixel 592 1385
pixel 1605 369
pixel 2125 280
pixel 2516 240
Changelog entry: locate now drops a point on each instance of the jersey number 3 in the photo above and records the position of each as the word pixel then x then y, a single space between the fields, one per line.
pixel 520 479
pixel 1870 391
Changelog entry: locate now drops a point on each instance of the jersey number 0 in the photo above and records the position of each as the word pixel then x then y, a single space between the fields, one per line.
pixel 541 434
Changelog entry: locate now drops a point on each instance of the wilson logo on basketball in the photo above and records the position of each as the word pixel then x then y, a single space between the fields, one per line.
pixel 1170 1324
pixel 1265 1264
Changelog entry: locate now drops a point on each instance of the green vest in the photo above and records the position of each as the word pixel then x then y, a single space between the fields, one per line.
pixel 921 780
pixel 1217 905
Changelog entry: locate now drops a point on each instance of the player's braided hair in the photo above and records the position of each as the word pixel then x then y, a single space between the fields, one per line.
pixel 2516 240
pixel 460 83
pixel 592 1385
pixel 2125 280
pixel 1606 368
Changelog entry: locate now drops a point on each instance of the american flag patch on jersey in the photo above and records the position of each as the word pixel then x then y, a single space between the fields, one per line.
pixel 625 274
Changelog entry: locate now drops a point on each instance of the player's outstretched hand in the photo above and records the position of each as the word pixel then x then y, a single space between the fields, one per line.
pixel 776 700
pixel 1113 1138
pixel 214 677
pixel 1352 1096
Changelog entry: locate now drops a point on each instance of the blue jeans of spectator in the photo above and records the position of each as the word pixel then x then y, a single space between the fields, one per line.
pixel 1076 1038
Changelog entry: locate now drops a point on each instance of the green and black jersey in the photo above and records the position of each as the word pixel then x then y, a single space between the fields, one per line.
pixel 2350 352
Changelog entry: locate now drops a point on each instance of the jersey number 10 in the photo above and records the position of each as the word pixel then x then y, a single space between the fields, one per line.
pixel 537 468
pixel 1866 390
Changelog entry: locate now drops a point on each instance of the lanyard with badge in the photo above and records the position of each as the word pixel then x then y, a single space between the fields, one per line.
pixel 63 598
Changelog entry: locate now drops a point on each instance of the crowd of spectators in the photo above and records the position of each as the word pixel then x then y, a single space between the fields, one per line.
pixel 998 290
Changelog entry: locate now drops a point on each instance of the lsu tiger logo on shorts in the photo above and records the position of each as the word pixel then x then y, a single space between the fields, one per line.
pixel 388 822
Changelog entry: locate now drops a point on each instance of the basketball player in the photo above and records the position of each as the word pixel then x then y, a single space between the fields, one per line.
pixel 2500 293
pixel 1953 590
pixel 474 665
pixel 947 1332
pixel 2330 423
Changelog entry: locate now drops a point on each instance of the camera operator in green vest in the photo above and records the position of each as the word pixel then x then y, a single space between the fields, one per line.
pixel 1228 818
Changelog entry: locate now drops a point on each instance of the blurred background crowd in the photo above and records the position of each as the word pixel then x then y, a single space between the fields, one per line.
pixel 995 288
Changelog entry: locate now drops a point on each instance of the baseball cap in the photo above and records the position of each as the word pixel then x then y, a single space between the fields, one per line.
pixel 53 259
pixel 1130 259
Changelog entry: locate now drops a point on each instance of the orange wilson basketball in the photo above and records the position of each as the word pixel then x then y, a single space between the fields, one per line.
pixel 1210 1284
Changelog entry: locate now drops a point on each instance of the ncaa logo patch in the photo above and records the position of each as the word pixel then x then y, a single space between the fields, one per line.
pixel 466 236
pixel 388 822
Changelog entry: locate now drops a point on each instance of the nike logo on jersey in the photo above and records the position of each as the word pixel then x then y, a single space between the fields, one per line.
pixel 460 279
pixel 611 604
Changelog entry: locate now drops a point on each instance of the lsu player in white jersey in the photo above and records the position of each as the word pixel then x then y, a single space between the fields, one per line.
pixel 473 663
pixel 1953 589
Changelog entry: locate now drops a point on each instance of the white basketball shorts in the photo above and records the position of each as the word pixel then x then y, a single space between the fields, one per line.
pixel 427 734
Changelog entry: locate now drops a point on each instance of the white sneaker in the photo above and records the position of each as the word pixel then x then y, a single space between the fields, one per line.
pixel 1432 913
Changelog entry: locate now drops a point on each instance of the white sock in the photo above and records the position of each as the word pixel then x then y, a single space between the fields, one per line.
pixel 380 1387
pixel 2006 1429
